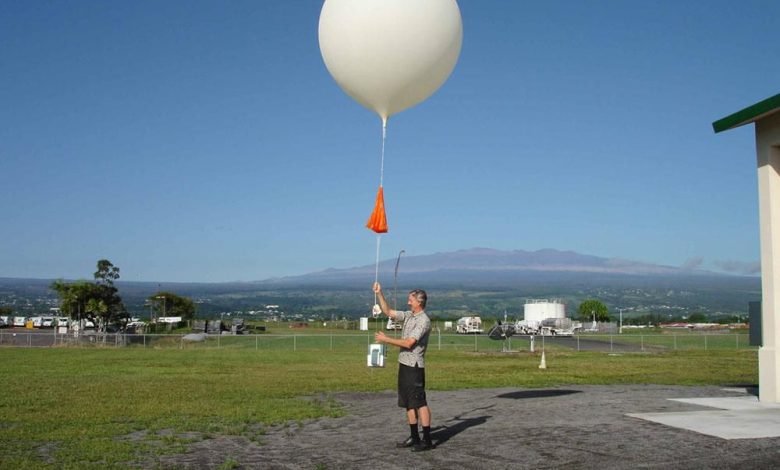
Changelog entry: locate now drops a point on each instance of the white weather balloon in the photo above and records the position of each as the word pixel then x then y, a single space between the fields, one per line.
pixel 390 55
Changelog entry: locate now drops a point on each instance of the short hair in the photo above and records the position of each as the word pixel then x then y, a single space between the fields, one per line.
pixel 420 295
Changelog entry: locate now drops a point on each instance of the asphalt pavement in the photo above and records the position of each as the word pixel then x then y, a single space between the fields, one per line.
pixel 604 427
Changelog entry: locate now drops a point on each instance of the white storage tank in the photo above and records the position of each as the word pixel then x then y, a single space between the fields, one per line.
pixel 536 310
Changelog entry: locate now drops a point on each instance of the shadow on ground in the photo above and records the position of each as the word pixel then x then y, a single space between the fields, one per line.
pixel 527 394
pixel 444 433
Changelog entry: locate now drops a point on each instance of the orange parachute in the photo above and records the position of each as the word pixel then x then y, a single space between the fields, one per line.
pixel 377 221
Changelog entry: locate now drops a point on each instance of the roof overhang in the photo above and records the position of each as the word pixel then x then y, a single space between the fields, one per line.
pixel 750 114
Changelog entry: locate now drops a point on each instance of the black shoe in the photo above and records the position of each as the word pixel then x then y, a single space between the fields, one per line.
pixel 422 446
pixel 409 442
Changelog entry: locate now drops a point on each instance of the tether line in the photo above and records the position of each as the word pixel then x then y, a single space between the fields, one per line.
pixel 381 184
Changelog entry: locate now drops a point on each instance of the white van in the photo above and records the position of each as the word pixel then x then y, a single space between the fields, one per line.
pixel 36 321
pixel 19 321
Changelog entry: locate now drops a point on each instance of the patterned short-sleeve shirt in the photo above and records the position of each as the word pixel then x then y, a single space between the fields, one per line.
pixel 417 327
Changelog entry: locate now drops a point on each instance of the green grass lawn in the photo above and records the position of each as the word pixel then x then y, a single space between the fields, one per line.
pixel 112 407
pixel 353 341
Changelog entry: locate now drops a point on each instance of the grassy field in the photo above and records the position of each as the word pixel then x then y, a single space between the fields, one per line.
pixel 353 341
pixel 118 407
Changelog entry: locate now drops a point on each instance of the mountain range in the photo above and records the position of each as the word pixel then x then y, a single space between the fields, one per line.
pixel 478 279
pixel 487 265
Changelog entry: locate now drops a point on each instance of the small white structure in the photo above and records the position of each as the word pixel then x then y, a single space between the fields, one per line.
pixel 469 325
pixel 766 117
pixel 62 325
pixel 447 325
pixel 537 310
pixel 546 317
pixel 363 323
pixel 376 355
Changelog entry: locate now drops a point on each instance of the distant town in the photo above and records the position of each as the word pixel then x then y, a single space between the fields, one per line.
pixel 649 304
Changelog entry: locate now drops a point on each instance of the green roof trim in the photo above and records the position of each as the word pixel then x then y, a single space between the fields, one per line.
pixel 748 115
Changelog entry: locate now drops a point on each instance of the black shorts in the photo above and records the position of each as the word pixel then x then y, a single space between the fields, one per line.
pixel 411 387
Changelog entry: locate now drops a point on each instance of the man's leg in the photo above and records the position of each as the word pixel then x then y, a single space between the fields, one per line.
pixel 414 433
pixel 424 414
pixel 411 416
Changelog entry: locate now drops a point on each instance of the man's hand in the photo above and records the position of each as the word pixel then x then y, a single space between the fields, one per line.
pixel 380 337
pixel 380 297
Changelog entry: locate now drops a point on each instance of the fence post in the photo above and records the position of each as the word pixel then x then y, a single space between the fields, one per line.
pixel 642 341
pixel 331 342
pixel 674 338
pixel 610 343
pixel 295 343
pixel 439 331
pixel 578 343
pixel 475 342
pixel 737 338
pixel 705 341
pixel 144 340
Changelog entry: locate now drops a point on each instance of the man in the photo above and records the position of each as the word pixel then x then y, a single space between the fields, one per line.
pixel 411 364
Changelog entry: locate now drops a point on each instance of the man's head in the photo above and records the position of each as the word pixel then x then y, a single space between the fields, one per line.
pixel 417 300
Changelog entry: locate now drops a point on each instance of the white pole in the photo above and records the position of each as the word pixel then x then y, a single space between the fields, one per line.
pixel 768 162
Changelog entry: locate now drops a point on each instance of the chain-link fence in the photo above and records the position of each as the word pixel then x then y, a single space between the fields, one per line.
pixel 359 341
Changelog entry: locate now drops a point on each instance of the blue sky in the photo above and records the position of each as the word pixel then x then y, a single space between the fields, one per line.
pixel 206 141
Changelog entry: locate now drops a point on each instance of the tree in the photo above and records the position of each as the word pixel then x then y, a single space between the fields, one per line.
pixel 106 272
pixel 172 305
pixel 74 296
pixel 6 311
pixel 97 301
pixel 112 310
pixel 98 309
pixel 697 318
pixel 590 307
